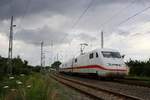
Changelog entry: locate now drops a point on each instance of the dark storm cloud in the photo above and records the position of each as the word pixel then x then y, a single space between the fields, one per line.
pixel 67 8
pixel 43 34
pixel 20 7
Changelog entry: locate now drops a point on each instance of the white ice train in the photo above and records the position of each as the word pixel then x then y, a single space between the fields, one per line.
pixel 101 62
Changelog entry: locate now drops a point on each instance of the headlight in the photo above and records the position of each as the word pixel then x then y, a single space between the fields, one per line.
pixel 108 64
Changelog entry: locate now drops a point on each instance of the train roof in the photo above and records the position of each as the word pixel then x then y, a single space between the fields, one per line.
pixel 98 50
pixel 95 50
pixel 103 49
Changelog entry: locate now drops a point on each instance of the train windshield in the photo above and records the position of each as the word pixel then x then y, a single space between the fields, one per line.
pixel 108 54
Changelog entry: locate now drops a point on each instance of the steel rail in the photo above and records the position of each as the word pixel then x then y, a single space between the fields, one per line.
pixel 133 82
pixel 76 88
pixel 72 82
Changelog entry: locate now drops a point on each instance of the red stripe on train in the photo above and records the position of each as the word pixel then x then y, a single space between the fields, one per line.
pixel 95 66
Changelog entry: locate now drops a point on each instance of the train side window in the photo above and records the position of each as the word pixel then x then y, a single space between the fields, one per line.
pixel 96 55
pixel 91 56
pixel 76 60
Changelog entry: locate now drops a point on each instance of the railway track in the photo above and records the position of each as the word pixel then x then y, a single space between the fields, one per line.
pixel 92 90
pixel 128 81
pixel 133 82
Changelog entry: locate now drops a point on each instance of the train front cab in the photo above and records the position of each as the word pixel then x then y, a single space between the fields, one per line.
pixel 113 64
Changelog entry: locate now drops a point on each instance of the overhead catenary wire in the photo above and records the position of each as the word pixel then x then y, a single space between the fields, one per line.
pixel 82 14
pixel 79 18
pixel 136 14
pixel 111 18
pixel 11 9
pixel 116 14
pixel 26 9
pixel 131 17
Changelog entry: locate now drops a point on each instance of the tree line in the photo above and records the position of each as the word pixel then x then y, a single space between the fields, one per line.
pixel 19 66
pixel 139 68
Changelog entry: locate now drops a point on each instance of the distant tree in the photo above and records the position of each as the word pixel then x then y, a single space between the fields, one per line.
pixel 18 65
pixel 55 65
pixel 3 66
pixel 36 68
pixel 25 62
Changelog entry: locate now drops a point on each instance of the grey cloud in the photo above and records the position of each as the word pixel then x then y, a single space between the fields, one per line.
pixel 49 35
pixel 45 34
pixel 86 37
pixel 123 32
pixel 136 34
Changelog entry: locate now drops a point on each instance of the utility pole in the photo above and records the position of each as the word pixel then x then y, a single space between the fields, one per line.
pixel 102 39
pixel 52 51
pixel 10 53
pixel 82 47
pixel 42 54
pixel 57 56
pixel 43 59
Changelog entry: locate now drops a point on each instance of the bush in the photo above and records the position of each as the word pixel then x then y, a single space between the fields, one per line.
pixel 18 66
pixel 139 68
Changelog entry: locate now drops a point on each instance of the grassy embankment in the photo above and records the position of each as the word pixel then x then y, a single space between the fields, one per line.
pixel 33 87
pixel 142 78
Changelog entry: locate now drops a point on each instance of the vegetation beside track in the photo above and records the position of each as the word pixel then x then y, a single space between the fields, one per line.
pixel 139 69
pixel 30 84
pixel 27 83
pixel 140 78
pixel 34 87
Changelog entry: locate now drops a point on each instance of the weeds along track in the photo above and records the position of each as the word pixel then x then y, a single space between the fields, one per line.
pixel 92 90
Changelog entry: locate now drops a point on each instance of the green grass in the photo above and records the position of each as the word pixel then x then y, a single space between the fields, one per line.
pixel 42 88
pixel 138 78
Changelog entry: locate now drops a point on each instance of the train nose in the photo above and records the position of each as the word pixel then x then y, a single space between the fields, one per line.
pixel 118 71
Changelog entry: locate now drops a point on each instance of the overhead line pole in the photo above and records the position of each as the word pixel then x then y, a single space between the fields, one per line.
pixel 52 52
pixel 102 39
pixel 10 53
pixel 41 55
pixel 57 56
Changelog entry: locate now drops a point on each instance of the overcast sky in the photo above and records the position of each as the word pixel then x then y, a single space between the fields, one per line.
pixel 64 24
